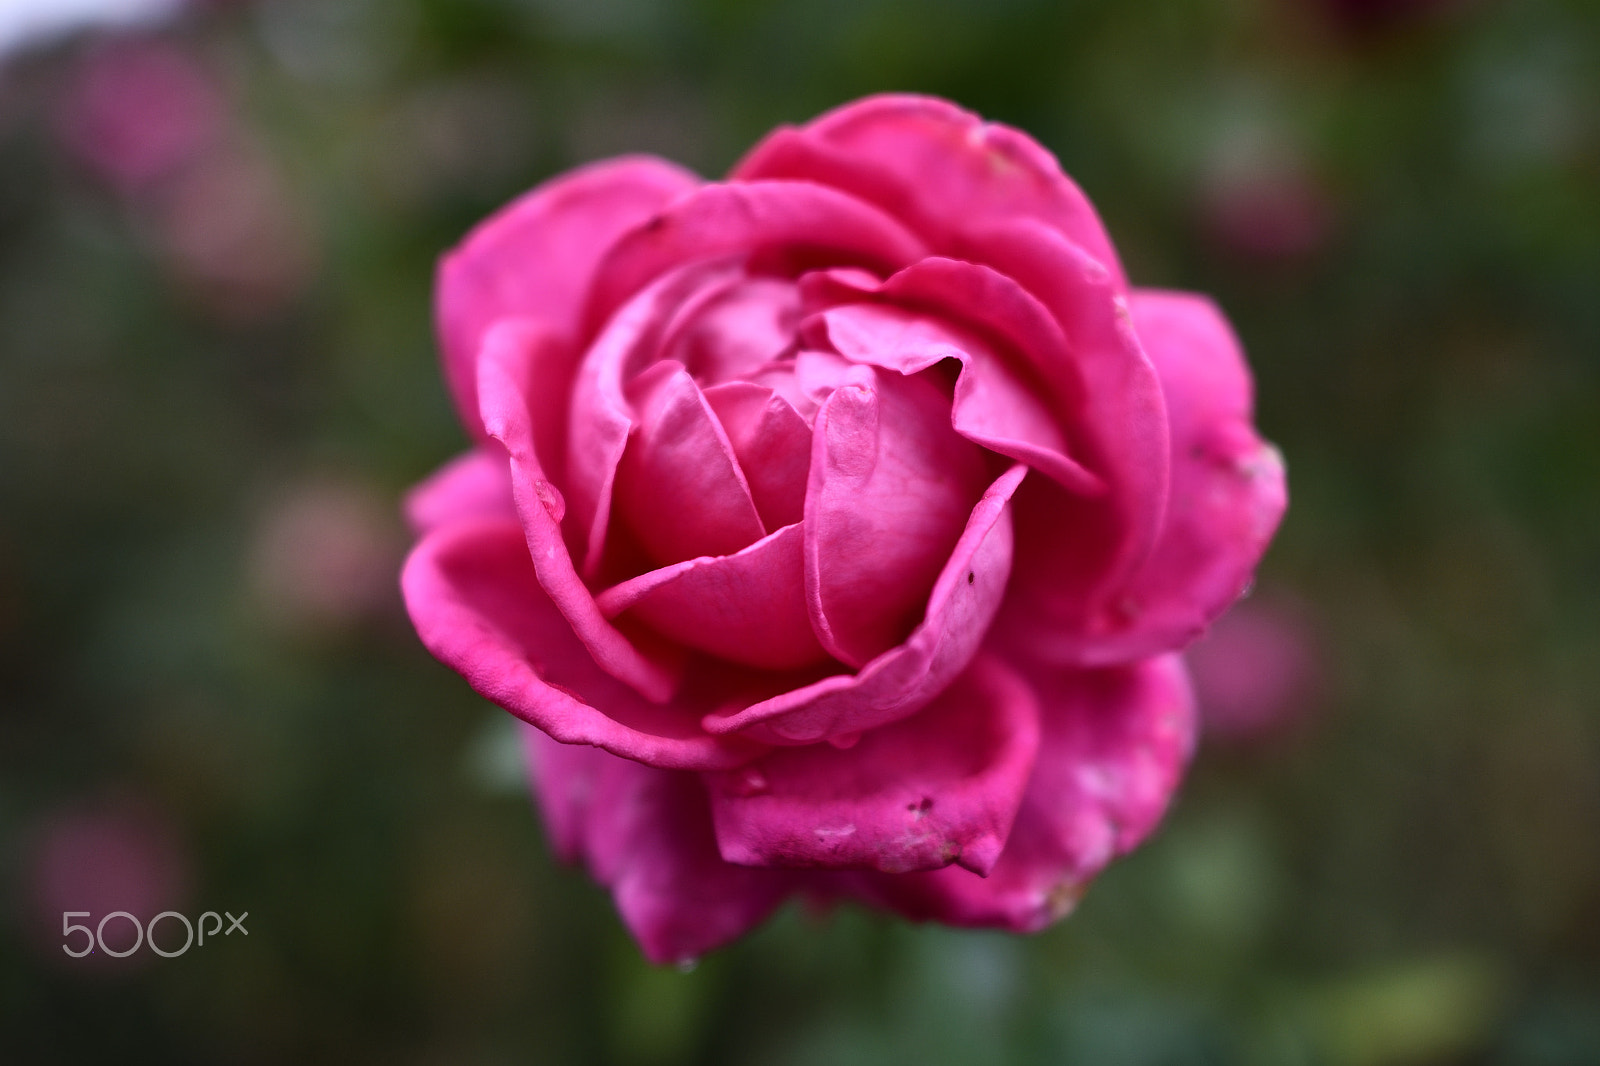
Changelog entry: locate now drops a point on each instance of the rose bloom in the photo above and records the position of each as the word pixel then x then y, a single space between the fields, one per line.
pixel 836 526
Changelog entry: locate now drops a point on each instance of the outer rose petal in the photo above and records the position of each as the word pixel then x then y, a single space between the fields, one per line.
pixel 941 168
pixel 1072 584
pixel 476 484
pixel 1228 491
pixel 941 786
pixel 904 679
pixel 1113 748
pixel 540 506
pixel 646 834
pixel 535 259
pixel 478 608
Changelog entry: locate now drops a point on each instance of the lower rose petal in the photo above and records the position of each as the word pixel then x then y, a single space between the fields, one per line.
pixel 939 787
pixel 1112 751
pixel 646 835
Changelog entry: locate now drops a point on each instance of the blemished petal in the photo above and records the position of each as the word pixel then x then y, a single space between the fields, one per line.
pixel 720 220
pixel 540 506
pixel 772 443
pixel 903 680
pixel 749 607
pixel 679 486
pixel 1228 491
pixel 646 834
pixel 1113 746
pixel 995 405
pixel 472 594
pixel 475 484
pixel 1078 550
pixel 941 168
pixel 938 787
pixel 601 414
pixel 535 259
pixel 891 488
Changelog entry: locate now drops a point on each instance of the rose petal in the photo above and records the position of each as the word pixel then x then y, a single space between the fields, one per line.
pixel 939 167
pixel 772 443
pixel 478 607
pixel 890 489
pixel 904 679
pixel 938 787
pixel 535 259
pixel 646 835
pixel 1113 747
pixel 994 406
pixel 1228 491
pixel 749 607
pixel 1072 584
pixel 602 415
pixel 476 484
pixel 720 220
pixel 506 418
pixel 678 484
pixel 738 331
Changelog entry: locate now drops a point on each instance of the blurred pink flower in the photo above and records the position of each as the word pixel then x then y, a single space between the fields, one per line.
pixel 140 111
pixel 1256 672
pixel 117 853
pixel 324 554
pixel 1266 211
pixel 236 236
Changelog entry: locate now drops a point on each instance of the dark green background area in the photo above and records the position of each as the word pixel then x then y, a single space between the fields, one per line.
pixel 1408 875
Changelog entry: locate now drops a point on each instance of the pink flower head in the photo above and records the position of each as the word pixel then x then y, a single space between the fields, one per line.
pixel 1256 671
pixel 116 853
pixel 835 526
pixel 140 112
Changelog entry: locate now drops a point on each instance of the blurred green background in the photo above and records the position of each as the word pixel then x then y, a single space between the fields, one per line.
pixel 217 375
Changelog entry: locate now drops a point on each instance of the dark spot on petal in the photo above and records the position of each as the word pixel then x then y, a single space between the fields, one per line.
pixel 970 578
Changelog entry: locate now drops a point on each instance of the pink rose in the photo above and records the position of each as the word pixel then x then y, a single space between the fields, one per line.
pixel 836 525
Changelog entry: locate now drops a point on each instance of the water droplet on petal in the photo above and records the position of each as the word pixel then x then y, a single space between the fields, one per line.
pixel 750 782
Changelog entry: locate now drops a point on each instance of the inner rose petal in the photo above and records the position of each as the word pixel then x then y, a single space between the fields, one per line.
pixel 736 331
pixel 679 486
pixel 891 487
pixel 773 446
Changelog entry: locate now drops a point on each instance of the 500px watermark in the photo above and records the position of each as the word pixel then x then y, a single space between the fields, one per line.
pixel 146 934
